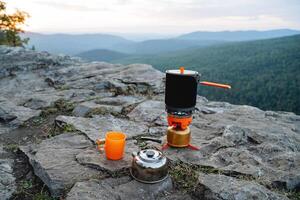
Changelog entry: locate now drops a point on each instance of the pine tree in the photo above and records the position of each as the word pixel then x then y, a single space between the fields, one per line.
pixel 10 26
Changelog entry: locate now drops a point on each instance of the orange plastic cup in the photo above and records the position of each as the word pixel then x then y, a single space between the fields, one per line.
pixel 114 145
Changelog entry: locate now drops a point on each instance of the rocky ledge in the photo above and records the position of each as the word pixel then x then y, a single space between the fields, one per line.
pixel 245 153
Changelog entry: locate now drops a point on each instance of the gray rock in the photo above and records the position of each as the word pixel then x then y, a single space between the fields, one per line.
pixel 5 117
pixel 16 115
pixel 127 103
pixel 83 109
pixel 97 126
pixel 157 131
pixel 118 189
pixel 4 129
pixel 175 195
pixel 35 103
pixel 146 80
pixel 214 186
pixel 120 100
pixel 87 108
pixel 54 161
pixel 33 80
pixel 107 105
pixel 7 179
pixel 148 111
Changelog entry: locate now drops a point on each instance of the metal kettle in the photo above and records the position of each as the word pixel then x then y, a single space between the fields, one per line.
pixel 149 166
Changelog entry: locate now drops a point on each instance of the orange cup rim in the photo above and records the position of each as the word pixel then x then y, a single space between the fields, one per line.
pixel 115 133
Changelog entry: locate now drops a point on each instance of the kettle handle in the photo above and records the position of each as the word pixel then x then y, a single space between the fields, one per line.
pixel 100 144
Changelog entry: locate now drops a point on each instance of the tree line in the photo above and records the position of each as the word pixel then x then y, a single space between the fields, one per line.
pixel 10 27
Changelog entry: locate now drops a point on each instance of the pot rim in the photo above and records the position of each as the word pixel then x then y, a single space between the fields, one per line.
pixel 186 72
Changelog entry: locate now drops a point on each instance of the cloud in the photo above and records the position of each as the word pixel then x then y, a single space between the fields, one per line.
pixel 71 6
pixel 159 15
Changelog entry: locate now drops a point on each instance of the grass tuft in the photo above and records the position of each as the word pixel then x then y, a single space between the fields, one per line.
pixel 184 176
pixel 12 147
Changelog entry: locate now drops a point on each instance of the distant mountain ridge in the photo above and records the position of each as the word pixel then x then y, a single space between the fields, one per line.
pixel 101 55
pixel 75 44
pixel 238 35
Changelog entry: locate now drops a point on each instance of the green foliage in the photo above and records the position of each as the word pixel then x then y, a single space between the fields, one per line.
pixel 42 196
pixel 68 128
pixel 10 27
pixel 64 106
pixel 48 111
pixel 262 73
pixel 26 184
pixel 184 176
pixel 12 147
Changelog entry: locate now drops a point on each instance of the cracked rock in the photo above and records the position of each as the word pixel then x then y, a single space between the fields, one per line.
pixel 118 189
pixel 96 127
pixel 219 187
pixel 7 179
pixel 54 162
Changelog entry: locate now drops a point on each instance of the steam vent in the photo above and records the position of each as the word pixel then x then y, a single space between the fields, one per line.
pixel 54 108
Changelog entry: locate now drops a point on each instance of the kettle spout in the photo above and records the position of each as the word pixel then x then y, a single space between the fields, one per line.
pixel 134 154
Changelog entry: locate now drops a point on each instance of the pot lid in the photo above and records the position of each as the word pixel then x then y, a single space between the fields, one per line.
pixel 150 155
pixel 185 72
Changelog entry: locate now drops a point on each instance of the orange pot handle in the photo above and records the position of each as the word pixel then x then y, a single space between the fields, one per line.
pixel 215 84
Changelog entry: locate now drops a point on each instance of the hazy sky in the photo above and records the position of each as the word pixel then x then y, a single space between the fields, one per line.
pixel 157 16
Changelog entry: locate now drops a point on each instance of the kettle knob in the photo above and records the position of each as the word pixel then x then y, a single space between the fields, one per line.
pixel 150 154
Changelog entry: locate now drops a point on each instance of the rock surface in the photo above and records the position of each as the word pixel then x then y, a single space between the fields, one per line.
pixel 223 187
pixel 7 179
pixel 118 189
pixel 96 127
pixel 236 140
pixel 54 161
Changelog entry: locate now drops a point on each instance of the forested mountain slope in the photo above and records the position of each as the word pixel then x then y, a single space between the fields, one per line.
pixel 101 55
pixel 263 73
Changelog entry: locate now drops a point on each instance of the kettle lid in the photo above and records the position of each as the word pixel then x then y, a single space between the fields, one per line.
pixel 150 155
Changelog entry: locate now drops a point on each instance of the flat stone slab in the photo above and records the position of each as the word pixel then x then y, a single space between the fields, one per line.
pixel 89 108
pixel 7 179
pixel 14 115
pixel 107 105
pixel 219 187
pixel 120 100
pixel 4 129
pixel 118 189
pixel 92 157
pixel 149 111
pixel 54 161
pixel 143 76
pixel 97 126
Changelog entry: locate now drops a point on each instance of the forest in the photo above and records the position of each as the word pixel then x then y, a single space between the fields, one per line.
pixel 262 73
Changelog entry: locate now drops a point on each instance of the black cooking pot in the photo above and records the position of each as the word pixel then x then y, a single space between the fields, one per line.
pixel 181 90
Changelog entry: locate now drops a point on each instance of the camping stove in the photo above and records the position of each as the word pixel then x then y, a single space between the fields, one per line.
pixel 180 100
